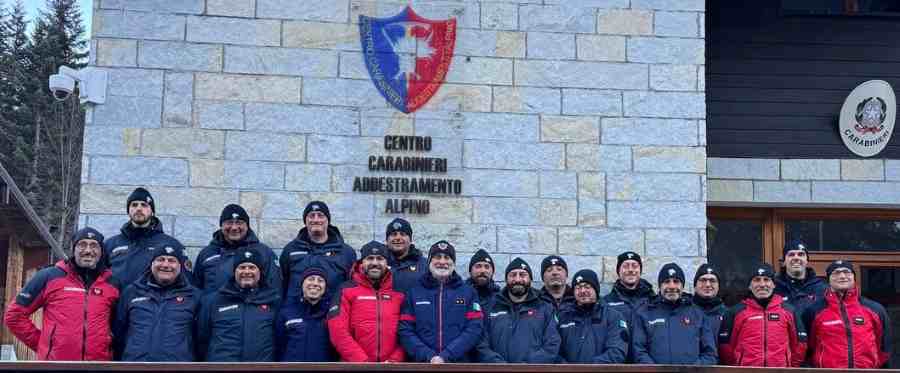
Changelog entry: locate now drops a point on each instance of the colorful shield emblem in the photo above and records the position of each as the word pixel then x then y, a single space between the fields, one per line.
pixel 407 56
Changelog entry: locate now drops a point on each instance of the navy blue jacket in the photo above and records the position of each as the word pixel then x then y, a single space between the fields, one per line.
pixel 301 332
pixel 520 332
pixel 334 256
pixel 568 299
pixel 215 263
pixel 156 323
pixel 800 293
pixel 440 320
pixel 486 295
pixel 128 253
pixel 594 334
pixel 714 309
pixel 407 271
pixel 238 324
pixel 627 301
pixel 674 333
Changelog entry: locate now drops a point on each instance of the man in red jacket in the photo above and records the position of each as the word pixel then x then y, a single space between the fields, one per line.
pixel 78 300
pixel 364 317
pixel 763 330
pixel 845 329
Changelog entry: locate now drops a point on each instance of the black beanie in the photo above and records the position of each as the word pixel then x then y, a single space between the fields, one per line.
pixel 763 269
pixel 173 248
pixel 589 276
pixel 442 247
pixel 706 269
pixel 373 248
pixel 87 233
pixel 314 271
pixel 398 225
pixel 553 260
pixel 795 244
pixel 670 270
pixel 249 255
pixel 232 212
pixel 481 256
pixel 140 194
pixel 316 206
pixel 839 264
pixel 519 263
pixel 628 255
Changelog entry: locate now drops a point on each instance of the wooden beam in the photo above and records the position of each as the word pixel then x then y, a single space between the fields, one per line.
pixel 14 271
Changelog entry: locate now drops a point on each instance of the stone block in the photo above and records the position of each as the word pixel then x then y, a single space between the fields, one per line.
pixel 480 70
pixel 673 77
pixel 665 105
pixel 178 99
pixel 139 171
pixel 559 18
pixel 859 192
pixel 677 5
pixel 193 201
pixel 160 6
pixel 591 102
pixel 281 61
pixel 527 240
pixel 460 98
pixel 275 205
pixel 592 185
pixel 666 50
pixel 121 111
pixel 476 43
pixel 466 237
pixel 183 143
pixel 591 213
pixel 226 30
pixel 195 230
pixel 730 191
pixel 180 56
pixel 656 214
pixel 231 8
pixel 347 206
pixel 254 175
pixel 467 14
pixel 624 22
pixel 378 123
pixel 341 92
pixel 116 52
pixel 653 187
pixel 135 83
pixel 278 233
pixel 263 146
pixel 892 170
pixel 551 45
pixel 559 212
pixel 590 157
pixel 500 183
pixel 105 199
pixel 247 88
pixel 862 169
pixel 302 119
pixel 303 34
pixel 781 191
pixel 603 4
pixel 648 131
pixel 85 170
pixel 600 47
pixel 510 44
pixel 352 66
pixel 507 211
pixel 579 74
pixel 440 125
pixel 558 184
pixel 811 169
pixel 681 24
pixel 527 100
pixel 138 25
pixel 111 141
pixel 500 16
pixel 675 242
pixel 313 10
pixel 670 159
pixel 701 132
pixel 307 177
pixel 743 168
pixel 222 115
pixel 570 129
pixel 496 126
pixel 207 173
pixel 701 77
pixel 513 156
pixel 600 241
pixel 443 210
pixel 338 149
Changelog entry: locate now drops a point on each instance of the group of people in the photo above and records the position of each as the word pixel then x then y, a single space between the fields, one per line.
pixel 136 297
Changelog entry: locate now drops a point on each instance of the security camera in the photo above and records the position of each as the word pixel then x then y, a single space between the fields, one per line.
pixel 91 84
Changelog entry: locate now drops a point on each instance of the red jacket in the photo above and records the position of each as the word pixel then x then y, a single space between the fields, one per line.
pixel 76 321
pixel 363 324
pixel 770 337
pixel 853 332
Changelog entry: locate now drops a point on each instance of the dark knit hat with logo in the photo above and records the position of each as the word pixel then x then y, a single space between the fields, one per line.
pixel 173 249
pixel 313 271
pixel 706 269
pixel 553 260
pixel 87 233
pixel 763 269
pixel 140 194
pixel 519 263
pixel 795 244
pixel 398 225
pixel 234 212
pixel 588 276
pixel 481 256
pixel 442 247
pixel 670 270
pixel 317 206
pixel 248 255
pixel 628 255
pixel 373 248
pixel 839 264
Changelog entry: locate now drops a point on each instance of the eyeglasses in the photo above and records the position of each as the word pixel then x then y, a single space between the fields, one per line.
pixel 842 271
pixel 87 245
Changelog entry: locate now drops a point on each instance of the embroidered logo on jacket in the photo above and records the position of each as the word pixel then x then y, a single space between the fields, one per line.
pixel 228 308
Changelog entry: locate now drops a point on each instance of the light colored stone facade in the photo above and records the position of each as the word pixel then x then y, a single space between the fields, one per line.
pixel 577 127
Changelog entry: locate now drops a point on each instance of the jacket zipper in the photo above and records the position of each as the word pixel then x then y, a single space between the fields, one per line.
pixel 378 326
pixel 440 311
pixel 765 321
pixel 84 323
pixel 849 332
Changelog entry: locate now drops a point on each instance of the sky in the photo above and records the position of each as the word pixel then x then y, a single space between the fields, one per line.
pixel 32 7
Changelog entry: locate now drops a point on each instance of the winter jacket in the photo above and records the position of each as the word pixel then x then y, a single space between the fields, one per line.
pixel 848 332
pixel 408 270
pixel 486 294
pixel 155 323
pixel 594 334
pixel 673 333
pixel 301 333
pixel 800 293
pixel 440 320
pixel 770 337
pixel 713 308
pixel 363 320
pixel 334 256
pixel 523 332
pixel 76 318
pixel 215 263
pixel 568 299
pixel 238 324
pixel 130 252
pixel 627 301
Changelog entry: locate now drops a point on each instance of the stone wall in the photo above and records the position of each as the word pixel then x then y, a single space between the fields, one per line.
pixel 577 126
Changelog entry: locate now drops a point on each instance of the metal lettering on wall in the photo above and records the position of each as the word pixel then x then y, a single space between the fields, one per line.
pixel 407 185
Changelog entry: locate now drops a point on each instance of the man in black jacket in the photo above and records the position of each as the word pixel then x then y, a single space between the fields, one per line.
pixel 629 293
pixel 406 261
pixel 797 282
pixel 556 292
pixel 591 332
pixel 481 277
pixel 706 294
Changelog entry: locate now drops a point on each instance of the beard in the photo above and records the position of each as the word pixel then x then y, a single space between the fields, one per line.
pixel 518 290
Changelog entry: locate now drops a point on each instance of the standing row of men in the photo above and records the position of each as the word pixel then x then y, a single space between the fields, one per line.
pixel 396 304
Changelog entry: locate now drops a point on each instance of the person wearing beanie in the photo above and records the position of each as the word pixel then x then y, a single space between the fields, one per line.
pixel 843 320
pixel 77 296
pixel 671 329
pixel 406 261
pixel 301 331
pixel 481 278
pixel 442 331
pixel 762 330
pixel 215 263
pixel 318 244
pixel 364 319
pixel 706 294
pixel 521 328
pixel 556 292
pixel 797 282
pixel 630 292
pixel 591 332
pixel 129 253
pixel 162 306
pixel 237 322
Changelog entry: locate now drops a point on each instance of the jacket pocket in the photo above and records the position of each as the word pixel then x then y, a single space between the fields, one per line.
pixel 50 342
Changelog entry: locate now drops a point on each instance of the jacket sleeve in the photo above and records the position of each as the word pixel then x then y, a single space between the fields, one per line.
pixel 640 341
pixel 468 338
pixel 280 336
pixel 418 351
pixel 204 326
pixel 27 302
pixel 483 348
pixel 708 352
pixel 883 333
pixel 273 276
pixel 807 318
pixel 339 330
pixel 549 348
pixel 797 340
pixel 197 278
pixel 284 263
pixel 120 324
pixel 726 338
pixel 615 347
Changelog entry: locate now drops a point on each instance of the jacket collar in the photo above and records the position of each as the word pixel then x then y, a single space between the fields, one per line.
pixel 387 282
pixel 644 289
pixel 430 282
pixel 155 227
pixel 219 240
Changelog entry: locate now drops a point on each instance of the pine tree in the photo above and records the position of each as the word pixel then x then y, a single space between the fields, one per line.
pixel 16 125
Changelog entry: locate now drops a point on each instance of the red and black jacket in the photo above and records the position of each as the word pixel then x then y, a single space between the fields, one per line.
pixel 848 331
pixel 77 318
pixel 770 337
pixel 363 320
